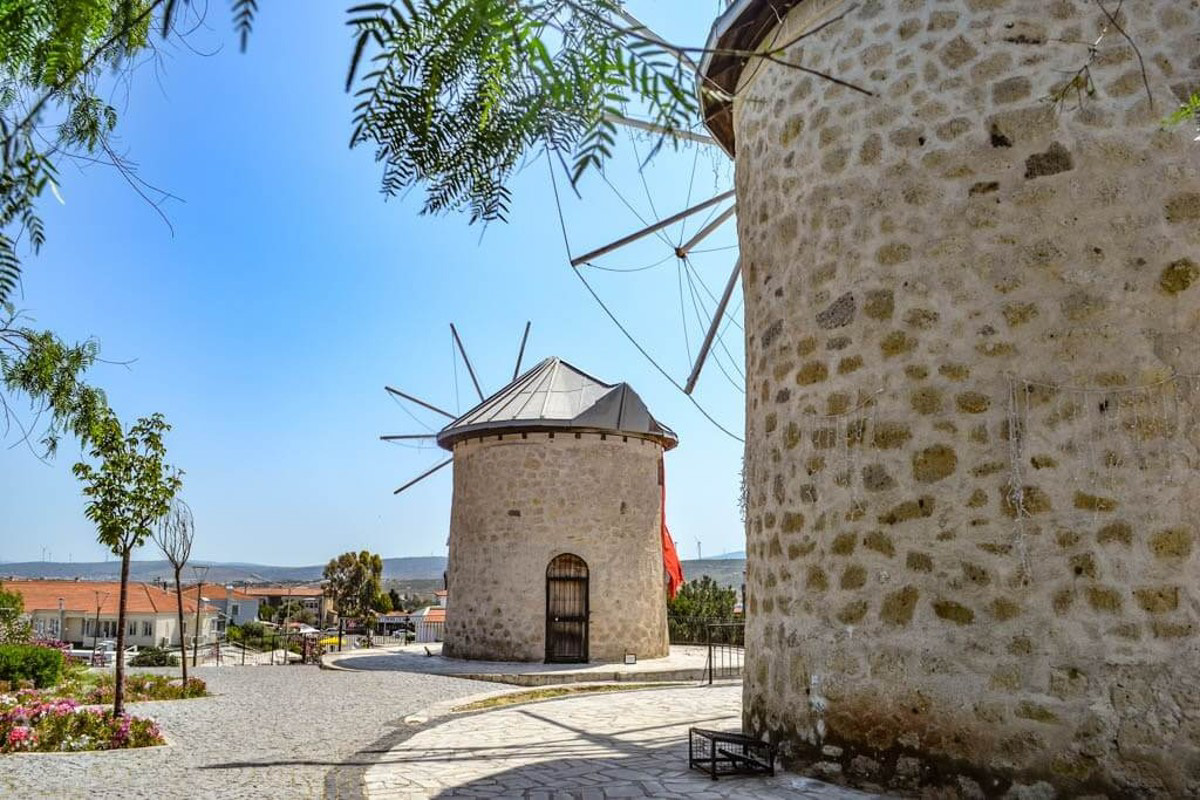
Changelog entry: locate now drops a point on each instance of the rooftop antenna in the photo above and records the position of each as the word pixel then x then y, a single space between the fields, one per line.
pixel 462 351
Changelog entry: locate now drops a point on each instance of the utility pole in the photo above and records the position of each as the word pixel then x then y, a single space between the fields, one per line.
pixel 200 572
pixel 96 629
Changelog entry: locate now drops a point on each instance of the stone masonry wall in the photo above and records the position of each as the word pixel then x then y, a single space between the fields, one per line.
pixel 972 438
pixel 521 500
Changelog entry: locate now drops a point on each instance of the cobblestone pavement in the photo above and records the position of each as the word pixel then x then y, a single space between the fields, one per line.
pixel 591 747
pixel 683 663
pixel 269 732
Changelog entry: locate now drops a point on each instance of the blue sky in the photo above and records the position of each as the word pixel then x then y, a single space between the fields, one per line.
pixel 290 292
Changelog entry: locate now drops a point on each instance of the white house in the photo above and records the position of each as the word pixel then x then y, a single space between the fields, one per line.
pixel 84 612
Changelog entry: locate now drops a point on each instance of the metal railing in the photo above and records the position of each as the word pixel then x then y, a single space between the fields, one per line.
pixel 726 643
pixel 424 633
pixel 694 630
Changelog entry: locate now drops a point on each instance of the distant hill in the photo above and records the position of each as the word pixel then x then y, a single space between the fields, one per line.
pixel 725 571
pixel 421 572
pixel 400 569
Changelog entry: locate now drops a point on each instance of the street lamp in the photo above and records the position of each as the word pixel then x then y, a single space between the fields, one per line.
pixel 200 572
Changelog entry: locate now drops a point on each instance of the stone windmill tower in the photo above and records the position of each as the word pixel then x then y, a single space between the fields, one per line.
pixel 556 533
pixel 971 310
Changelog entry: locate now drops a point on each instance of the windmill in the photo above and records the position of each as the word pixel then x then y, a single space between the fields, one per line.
pixel 406 397
pixel 559 549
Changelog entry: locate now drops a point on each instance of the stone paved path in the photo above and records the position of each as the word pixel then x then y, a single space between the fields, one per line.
pixel 268 732
pixel 685 663
pixel 590 747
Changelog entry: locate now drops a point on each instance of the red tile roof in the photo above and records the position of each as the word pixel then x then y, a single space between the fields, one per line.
pixel 433 614
pixel 215 591
pixel 284 591
pixel 82 596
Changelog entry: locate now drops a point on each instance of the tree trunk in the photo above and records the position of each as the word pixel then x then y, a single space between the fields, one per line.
pixel 119 682
pixel 182 644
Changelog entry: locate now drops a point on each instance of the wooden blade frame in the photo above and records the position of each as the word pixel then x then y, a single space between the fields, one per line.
pixel 521 352
pixel 419 402
pixel 467 361
pixel 423 475
pixel 633 237
pixel 712 328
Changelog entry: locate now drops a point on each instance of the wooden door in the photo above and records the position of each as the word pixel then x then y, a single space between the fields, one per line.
pixel 567 610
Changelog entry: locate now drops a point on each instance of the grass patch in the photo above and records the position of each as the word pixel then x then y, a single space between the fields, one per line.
pixel 550 693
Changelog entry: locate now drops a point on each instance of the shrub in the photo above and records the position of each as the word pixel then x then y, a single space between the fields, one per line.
pixel 154 657
pixel 147 687
pixel 25 662
pixel 247 631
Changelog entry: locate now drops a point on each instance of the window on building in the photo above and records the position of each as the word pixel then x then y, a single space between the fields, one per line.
pixel 147 628
pixel 52 627
pixel 131 628
pixel 235 610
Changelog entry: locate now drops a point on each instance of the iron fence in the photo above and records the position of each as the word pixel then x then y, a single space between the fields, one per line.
pixel 423 633
pixel 726 643
pixel 695 630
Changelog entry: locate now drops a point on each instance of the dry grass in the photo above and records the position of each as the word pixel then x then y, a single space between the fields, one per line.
pixel 550 693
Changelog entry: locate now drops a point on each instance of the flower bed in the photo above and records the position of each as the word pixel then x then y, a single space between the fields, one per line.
pixel 32 723
pixel 140 687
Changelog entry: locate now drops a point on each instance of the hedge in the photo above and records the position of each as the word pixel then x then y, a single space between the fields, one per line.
pixel 28 662
pixel 154 657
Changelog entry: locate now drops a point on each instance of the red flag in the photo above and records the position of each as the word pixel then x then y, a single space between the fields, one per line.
pixel 670 557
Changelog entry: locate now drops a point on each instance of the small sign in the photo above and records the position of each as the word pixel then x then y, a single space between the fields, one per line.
pixel 630 658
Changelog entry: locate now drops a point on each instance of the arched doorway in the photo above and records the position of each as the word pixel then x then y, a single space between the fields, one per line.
pixel 567 610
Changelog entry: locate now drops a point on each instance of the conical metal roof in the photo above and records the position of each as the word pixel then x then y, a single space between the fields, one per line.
pixel 555 396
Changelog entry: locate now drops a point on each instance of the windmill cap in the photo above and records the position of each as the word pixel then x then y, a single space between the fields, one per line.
pixel 739 30
pixel 555 396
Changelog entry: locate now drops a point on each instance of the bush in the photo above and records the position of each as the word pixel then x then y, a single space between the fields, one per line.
pixel 246 631
pixel 154 657
pixel 147 687
pixel 25 662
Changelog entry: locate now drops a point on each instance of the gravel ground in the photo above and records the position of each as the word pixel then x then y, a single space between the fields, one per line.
pixel 267 732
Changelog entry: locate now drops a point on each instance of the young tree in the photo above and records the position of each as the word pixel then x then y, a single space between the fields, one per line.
pixel 173 535
pixel 397 603
pixel 703 598
pixel 294 611
pixel 14 627
pixel 699 602
pixel 129 489
pixel 355 582
pixel 48 373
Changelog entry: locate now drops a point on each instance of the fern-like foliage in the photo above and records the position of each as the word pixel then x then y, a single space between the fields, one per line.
pixel 52 53
pixel 1187 112
pixel 243 19
pixel 451 94
pixel 47 371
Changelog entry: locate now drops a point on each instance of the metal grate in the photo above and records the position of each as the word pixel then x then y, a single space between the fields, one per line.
pixel 718 753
